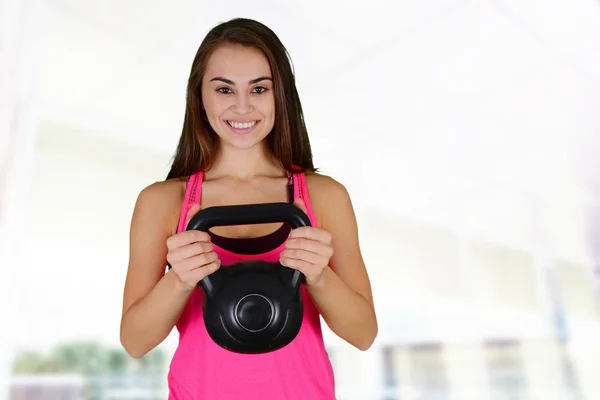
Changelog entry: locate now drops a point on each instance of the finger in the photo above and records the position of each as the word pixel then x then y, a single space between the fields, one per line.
pixel 300 204
pixel 192 250
pixel 300 265
pixel 306 256
pixel 197 261
pixel 205 270
pixel 310 232
pixel 186 237
pixel 197 274
pixel 193 210
pixel 312 246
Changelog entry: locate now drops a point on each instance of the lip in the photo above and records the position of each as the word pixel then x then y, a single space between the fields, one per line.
pixel 241 121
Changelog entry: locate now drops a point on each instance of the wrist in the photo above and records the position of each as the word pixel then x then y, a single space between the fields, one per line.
pixel 320 283
pixel 178 285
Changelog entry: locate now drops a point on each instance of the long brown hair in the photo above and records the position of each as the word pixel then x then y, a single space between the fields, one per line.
pixel 287 143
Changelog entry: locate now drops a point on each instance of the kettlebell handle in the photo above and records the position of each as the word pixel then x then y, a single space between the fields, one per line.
pixel 248 214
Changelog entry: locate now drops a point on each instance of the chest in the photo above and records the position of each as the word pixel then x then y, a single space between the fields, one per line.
pixel 229 193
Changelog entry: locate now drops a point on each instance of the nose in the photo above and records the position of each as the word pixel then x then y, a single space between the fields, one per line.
pixel 242 104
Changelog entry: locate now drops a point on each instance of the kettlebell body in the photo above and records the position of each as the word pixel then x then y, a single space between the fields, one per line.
pixel 252 306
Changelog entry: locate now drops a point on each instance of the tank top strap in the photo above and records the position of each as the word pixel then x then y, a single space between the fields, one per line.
pixel 195 188
pixel 193 194
pixel 301 192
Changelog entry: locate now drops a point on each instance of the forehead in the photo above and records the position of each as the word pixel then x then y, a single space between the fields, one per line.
pixel 237 63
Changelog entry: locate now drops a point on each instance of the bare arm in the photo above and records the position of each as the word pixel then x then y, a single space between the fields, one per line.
pixel 343 294
pixel 152 300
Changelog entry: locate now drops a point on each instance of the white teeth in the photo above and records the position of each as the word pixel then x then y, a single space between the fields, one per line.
pixel 244 125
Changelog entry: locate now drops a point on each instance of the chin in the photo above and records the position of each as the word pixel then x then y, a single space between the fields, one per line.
pixel 244 143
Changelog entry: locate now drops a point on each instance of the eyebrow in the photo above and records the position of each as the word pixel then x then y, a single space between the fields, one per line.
pixel 252 81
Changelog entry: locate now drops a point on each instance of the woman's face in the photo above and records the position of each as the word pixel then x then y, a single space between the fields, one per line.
pixel 237 92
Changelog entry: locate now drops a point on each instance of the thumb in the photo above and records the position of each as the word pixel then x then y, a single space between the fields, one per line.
pixel 193 210
pixel 300 204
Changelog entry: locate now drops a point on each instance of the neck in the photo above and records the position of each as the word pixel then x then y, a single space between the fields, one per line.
pixel 243 165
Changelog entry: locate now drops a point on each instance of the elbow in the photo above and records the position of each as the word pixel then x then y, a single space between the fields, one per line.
pixel 365 344
pixel 367 341
pixel 137 355
pixel 132 347
pixel 133 350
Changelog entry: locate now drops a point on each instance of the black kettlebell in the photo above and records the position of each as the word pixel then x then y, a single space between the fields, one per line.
pixel 252 306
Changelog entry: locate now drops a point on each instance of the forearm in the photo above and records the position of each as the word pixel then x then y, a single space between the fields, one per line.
pixel 149 321
pixel 348 314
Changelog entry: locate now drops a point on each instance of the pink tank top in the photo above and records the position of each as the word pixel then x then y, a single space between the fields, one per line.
pixel 201 370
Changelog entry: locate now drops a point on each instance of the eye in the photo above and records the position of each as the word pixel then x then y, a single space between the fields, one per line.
pixel 224 90
pixel 260 89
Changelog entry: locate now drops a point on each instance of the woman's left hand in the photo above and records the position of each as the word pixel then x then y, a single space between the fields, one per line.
pixel 307 249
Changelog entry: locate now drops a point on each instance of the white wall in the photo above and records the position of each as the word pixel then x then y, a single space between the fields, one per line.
pixel 425 276
pixel 461 130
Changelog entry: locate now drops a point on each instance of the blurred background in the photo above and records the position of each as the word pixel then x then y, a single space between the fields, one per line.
pixel 465 131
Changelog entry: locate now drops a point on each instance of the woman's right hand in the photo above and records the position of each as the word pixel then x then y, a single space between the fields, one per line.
pixel 191 255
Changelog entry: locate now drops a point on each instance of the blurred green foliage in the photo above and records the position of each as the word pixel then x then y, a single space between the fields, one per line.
pixel 87 358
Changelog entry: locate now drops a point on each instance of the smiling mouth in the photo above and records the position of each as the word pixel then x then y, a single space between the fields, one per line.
pixel 242 125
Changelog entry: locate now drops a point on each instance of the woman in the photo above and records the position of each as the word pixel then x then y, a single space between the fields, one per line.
pixel 244 141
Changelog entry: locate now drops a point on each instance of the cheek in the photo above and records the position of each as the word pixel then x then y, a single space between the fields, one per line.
pixel 215 106
pixel 268 108
pixel 271 105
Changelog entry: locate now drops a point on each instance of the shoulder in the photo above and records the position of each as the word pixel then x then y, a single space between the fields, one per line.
pixel 329 198
pixel 163 192
pixel 161 201
pixel 323 186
